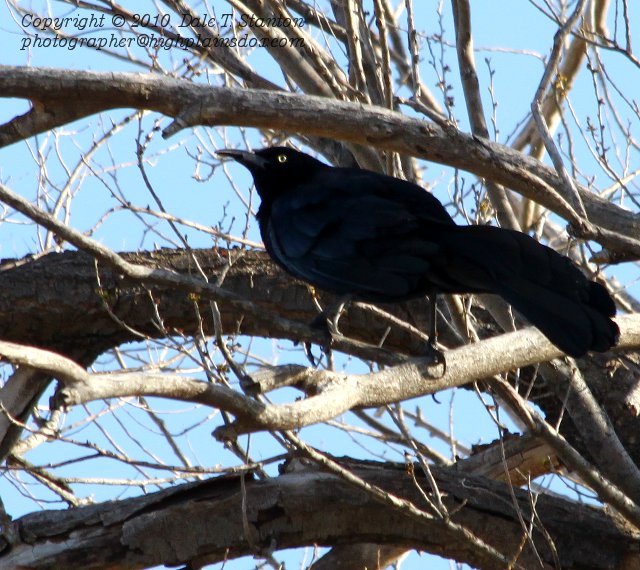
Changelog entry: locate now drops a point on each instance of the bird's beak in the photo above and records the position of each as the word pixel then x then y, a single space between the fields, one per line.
pixel 244 157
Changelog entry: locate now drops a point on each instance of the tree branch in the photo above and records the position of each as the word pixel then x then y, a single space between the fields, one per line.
pixel 206 522
pixel 471 87
pixel 336 393
pixel 193 104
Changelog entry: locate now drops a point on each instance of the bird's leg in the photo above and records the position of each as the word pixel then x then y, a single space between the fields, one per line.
pixel 432 350
pixel 433 316
pixel 327 322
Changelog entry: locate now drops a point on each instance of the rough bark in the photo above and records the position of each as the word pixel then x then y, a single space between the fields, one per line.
pixel 56 302
pixel 210 521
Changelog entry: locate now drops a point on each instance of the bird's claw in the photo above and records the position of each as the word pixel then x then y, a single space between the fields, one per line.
pixel 437 356
pixel 328 329
pixel 324 348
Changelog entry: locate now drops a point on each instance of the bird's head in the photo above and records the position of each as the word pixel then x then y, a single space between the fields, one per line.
pixel 276 168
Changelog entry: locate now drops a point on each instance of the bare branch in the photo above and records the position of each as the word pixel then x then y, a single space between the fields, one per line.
pixel 48 362
pixel 471 86
pixel 336 393
pixel 571 191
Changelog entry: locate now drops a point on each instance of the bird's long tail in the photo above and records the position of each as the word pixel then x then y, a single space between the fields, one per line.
pixel 547 288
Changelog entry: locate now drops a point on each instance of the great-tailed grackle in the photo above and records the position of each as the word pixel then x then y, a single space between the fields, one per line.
pixel 377 238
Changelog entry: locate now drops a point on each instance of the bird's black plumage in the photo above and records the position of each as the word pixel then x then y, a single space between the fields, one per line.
pixel 381 239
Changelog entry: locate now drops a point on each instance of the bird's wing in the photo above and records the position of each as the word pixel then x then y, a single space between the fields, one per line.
pixel 356 234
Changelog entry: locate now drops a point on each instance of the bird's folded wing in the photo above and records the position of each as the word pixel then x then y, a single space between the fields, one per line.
pixel 347 241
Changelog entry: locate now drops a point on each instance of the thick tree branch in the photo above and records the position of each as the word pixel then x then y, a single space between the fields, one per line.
pixel 193 104
pixel 206 522
pixel 336 393
pixel 607 492
pixel 597 431
pixel 469 363
pixel 81 306
pixel 157 276
pixel 44 117
pixel 98 310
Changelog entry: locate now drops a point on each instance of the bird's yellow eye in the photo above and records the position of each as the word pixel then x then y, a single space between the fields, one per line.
pixel 282 158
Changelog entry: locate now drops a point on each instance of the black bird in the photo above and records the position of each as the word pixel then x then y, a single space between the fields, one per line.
pixel 380 239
